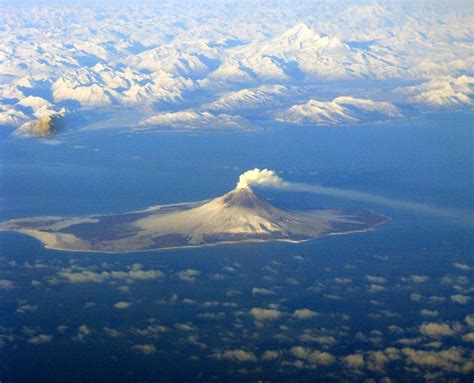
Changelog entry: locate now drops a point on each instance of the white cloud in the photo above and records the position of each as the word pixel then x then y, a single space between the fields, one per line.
pixel 461 299
pixel 83 332
pixel 265 314
pixel 237 355
pixel 262 291
pixel 146 349
pixel 186 326
pixel 462 266
pixel 260 177
pixel 6 284
pixel 122 305
pixel 376 288
pixel 26 308
pixel 454 359
pixel 304 314
pixel 429 313
pixel 469 337
pixel 436 329
pixel 88 276
pixel 376 279
pixel 188 275
pixel 150 330
pixel 270 355
pixel 40 339
pixel 470 320
pixel 418 278
pixel 312 356
pixel 354 360
pixel 112 332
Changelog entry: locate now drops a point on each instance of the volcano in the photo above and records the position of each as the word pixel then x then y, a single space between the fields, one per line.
pixel 238 216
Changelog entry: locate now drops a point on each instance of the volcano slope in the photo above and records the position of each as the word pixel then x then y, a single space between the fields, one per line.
pixel 238 216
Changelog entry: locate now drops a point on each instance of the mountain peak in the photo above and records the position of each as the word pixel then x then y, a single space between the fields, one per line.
pixel 242 197
pixel 300 32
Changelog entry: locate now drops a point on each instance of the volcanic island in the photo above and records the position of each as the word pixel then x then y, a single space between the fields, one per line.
pixel 238 216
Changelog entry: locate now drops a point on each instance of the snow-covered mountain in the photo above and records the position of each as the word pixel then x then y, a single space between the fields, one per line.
pixel 250 98
pixel 103 86
pixel 443 92
pixel 300 53
pixel 246 57
pixel 237 216
pixel 341 110
pixel 195 120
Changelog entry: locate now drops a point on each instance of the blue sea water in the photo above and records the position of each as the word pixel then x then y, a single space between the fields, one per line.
pixel 428 160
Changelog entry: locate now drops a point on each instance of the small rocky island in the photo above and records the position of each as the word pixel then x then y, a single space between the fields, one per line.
pixel 238 216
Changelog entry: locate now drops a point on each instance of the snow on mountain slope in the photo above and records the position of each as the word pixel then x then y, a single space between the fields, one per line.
pixel 191 120
pixel 251 55
pixel 341 110
pixel 249 98
pixel 237 216
pixel 443 92
pixel 299 52
pixel 171 60
pixel 103 86
pixel 35 103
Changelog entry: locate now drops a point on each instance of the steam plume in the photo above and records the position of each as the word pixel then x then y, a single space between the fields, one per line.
pixel 268 179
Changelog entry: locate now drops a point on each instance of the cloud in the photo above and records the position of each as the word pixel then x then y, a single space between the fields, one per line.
pixel 436 330
pixel 26 308
pixel 354 361
pixel 237 355
pixel 470 320
pixel 104 276
pixel 265 314
pixel 429 313
pixel 312 357
pixel 122 305
pixel 374 279
pixel 146 349
pixel 461 299
pixel 186 326
pixel 150 330
pixel 269 179
pixel 417 278
pixel 83 332
pixel 462 266
pixel 40 339
pixel 454 359
pixel 262 291
pixel 263 178
pixel 270 355
pixel 188 275
pixel 469 337
pixel 376 288
pixel 112 332
pixel 304 314
pixel 6 284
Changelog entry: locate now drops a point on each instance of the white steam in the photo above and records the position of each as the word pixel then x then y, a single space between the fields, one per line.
pixel 260 177
pixel 268 178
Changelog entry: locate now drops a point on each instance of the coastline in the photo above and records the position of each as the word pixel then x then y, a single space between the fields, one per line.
pixel 49 246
